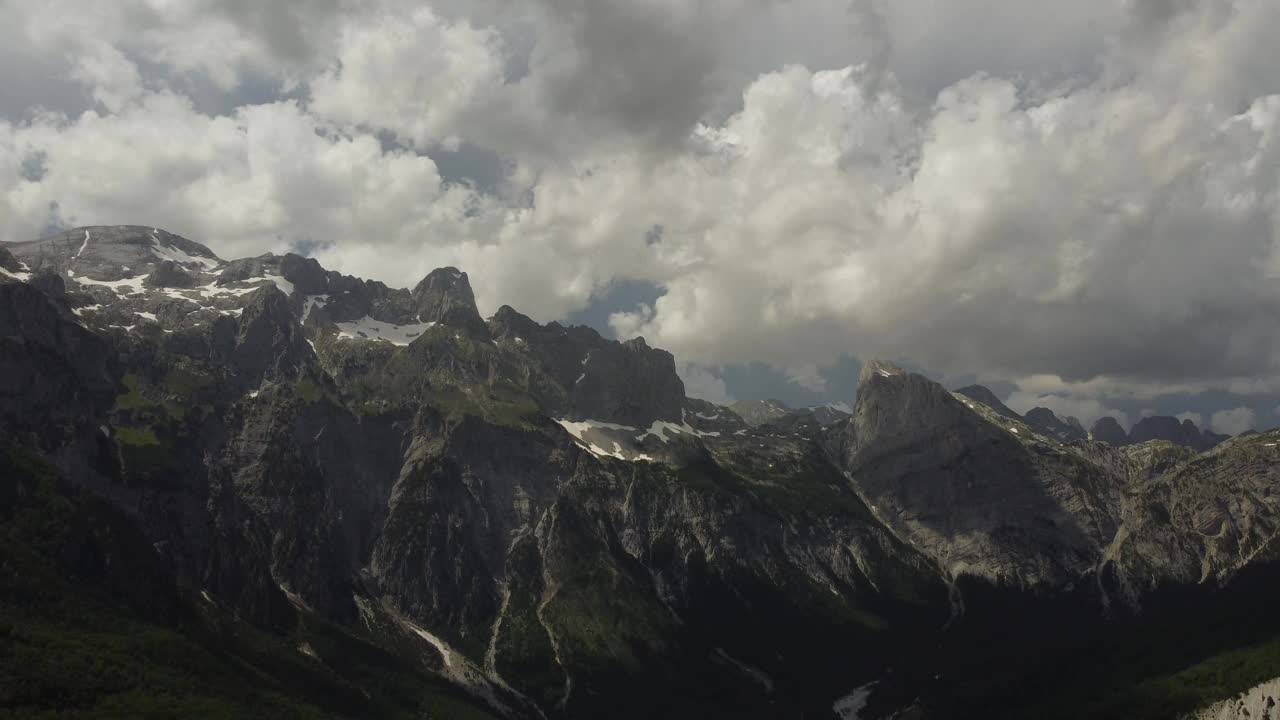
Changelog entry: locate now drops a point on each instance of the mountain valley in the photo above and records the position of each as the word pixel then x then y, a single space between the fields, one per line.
pixel 326 497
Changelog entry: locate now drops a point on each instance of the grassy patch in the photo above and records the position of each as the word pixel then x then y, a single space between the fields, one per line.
pixel 1167 695
pixel 132 399
pixel 91 625
pixel 501 404
pixel 813 491
pixel 136 437
pixel 145 456
pixel 185 382
pixel 308 391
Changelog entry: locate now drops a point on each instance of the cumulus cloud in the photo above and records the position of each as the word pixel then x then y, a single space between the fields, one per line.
pixel 704 383
pixel 260 180
pixel 1054 194
pixel 381 77
pixel 1233 421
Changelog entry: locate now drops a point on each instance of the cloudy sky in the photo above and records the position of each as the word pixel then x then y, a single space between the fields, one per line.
pixel 1078 203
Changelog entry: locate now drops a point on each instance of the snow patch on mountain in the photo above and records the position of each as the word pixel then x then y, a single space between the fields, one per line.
pixel 660 428
pixel 311 303
pixel 850 706
pixel 367 328
pixel 132 283
pixel 23 276
pixel 580 428
pixel 178 255
pixel 83 245
pixel 285 286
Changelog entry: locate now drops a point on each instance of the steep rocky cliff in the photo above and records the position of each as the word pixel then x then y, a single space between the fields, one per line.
pixel 539 520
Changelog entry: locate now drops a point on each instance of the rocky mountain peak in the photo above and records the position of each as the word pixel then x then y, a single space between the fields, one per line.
pixel 112 252
pixel 1165 427
pixel 628 382
pixel 9 262
pixel 940 468
pixel 306 274
pixel 509 324
pixel 1108 430
pixel 894 407
pixel 54 373
pixel 759 412
pixel 625 383
pixel 878 368
pixel 488 506
pixel 169 274
pixel 636 344
pixel 1161 427
pixel 445 296
pixel 1047 422
pixel 984 395
pixel 269 342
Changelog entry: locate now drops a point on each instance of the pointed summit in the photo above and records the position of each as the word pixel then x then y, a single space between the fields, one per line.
pixel 508 324
pixel 269 341
pixel 879 368
pixel 759 412
pixel 1108 430
pixel 966 485
pixel 1048 422
pixel 9 262
pixel 984 395
pixel 444 296
pixel 893 407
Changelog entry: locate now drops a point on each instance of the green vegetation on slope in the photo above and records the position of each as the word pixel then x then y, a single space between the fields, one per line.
pixel 91 625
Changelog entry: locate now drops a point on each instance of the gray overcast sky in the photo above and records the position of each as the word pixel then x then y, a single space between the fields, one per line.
pixel 1078 203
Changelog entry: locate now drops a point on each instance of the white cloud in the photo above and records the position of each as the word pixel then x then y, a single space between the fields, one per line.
pixel 413 73
pixel 1233 421
pixel 1086 409
pixel 1194 417
pixel 1053 194
pixel 259 180
pixel 704 383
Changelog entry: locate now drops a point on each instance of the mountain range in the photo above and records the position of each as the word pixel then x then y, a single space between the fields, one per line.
pixel 260 487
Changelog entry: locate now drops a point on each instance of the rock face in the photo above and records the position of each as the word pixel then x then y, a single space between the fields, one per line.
pixel 111 252
pixel 55 376
pixel 9 262
pixel 1016 512
pixel 759 412
pixel 764 412
pixel 445 296
pixel 1046 422
pixel 1163 427
pixel 169 274
pixel 1261 702
pixel 1203 520
pixel 581 376
pixel 1108 430
pixel 988 398
pixel 1155 427
pixel 269 341
pixel 540 517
